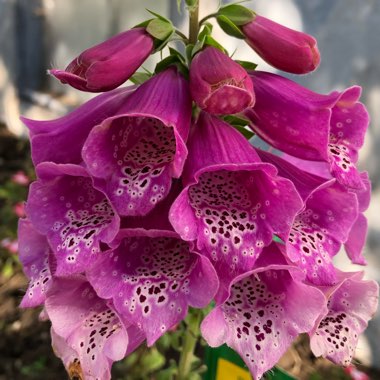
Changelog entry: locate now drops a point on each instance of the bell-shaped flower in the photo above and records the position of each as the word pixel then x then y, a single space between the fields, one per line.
pixel 75 217
pixel 264 311
pixel 218 84
pixel 87 333
pixel 352 302
pixel 107 65
pixel 355 242
pixel 37 262
pixel 61 140
pixel 134 155
pixel 283 48
pixel 322 226
pixel 232 203
pixel 327 128
pixel 152 276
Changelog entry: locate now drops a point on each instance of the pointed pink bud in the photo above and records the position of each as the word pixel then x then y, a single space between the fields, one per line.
pixel 218 84
pixel 283 48
pixel 107 65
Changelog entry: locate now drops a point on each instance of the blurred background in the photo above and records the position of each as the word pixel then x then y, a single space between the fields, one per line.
pixel 36 35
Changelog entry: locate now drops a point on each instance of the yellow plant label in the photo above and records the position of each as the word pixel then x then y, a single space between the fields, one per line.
pixel 229 371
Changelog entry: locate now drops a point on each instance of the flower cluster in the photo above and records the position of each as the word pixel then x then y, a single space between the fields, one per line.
pixel 149 199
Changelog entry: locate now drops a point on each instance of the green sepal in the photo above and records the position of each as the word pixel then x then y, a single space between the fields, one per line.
pixel 212 42
pixel 229 27
pixel 175 52
pixel 246 64
pixel 206 31
pixel 139 77
pixel 160 29
pixel 239 123
pixel 188 52
pixel 143 24
pixel 172 60
pixel 237 14
pixel 159 16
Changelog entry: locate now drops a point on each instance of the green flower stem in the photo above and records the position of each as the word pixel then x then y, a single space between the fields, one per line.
pixel 193 23
pixel 189 342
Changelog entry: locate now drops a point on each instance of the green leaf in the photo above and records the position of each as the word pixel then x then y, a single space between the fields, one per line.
pixel 237 14
pixel 166 62
pixel 247 65
pixel 160 29
pixel 229 27
pixel 139 77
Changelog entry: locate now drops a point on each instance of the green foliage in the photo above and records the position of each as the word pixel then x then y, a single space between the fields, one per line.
pixel 237 14
pixel 229 27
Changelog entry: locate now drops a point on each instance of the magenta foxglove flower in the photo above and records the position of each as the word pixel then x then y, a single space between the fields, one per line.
pixel 37 261
pixel 357 235
pixel 327 128
pixel 218 84
pixel 264 311
pixel 134 155
pixel 75 217
pixel 152 276
pixel 283 48
pixel 351 304
pixel 61 140
pixel 87 333
pixel 109 64
pixel 322 226
pixel 232 203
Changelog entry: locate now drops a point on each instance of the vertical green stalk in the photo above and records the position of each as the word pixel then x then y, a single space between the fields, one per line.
pixel 193 22
pixel 189 342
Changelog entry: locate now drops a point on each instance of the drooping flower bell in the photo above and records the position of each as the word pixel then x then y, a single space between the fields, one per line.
pixel 283 48
pixel 218 84
pixel 352 302
pixel 152 276
pixel 61 140
pixel 75 217
pixel 87 333
pixel 109 64
pixel 323 224
pixel 134 154
pixel 264 311
pixel 327 128
pixel 232 203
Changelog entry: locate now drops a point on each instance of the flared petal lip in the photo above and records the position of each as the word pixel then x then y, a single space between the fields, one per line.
pixel 295 272
pixel 329 291
pixel 180 143
pixel 266 167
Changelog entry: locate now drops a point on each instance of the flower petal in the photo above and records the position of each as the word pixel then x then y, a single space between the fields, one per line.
pixel 351 304
pixel 152 277
pixel 134 155
pixel 75 217
pixel 36 257
pixel 88 326
pixel 265 311
pixel 61 140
